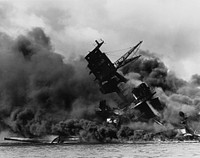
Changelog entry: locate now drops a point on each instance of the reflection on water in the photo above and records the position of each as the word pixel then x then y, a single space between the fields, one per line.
pixel 164 150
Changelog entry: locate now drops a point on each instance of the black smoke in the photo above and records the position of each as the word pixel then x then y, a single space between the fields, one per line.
pixel 38 89
pixel 174 93
pixel 41 93
pixel 196 80
pixel 153 71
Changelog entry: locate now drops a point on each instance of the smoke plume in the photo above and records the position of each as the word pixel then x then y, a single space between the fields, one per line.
pixel 41 94
pixel 174 93
pixel 37 89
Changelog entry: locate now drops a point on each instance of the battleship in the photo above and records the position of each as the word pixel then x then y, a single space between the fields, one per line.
pixel 141 104
pixel 109 79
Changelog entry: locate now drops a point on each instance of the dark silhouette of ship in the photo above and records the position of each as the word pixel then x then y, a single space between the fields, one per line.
pixel 106 73
pixel 142 106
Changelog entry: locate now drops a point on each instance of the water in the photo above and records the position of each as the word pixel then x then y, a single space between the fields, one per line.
pixel 145 150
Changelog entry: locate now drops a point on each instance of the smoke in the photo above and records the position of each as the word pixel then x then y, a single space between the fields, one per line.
pixel 41 94
pixel 154 72
pixel 174 93
pixel 37 89
pixel 196 80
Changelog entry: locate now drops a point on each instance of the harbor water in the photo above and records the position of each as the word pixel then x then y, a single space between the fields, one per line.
pixel 137 150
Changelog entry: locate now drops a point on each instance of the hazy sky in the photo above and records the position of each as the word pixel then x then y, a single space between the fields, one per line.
pixel 169 28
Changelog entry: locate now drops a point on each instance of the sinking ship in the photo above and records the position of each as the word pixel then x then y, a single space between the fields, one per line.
pixel 142 106
pixel 109 80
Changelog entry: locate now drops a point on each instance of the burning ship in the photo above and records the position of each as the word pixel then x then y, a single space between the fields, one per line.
pixel 109 79
pixel 140 104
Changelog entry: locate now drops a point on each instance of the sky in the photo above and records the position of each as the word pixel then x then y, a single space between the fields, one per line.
pixel 169 28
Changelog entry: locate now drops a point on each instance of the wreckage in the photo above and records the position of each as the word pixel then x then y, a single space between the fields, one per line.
pixel 109 80
pixel 140 105
pixel 143 106
pixel 52 139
